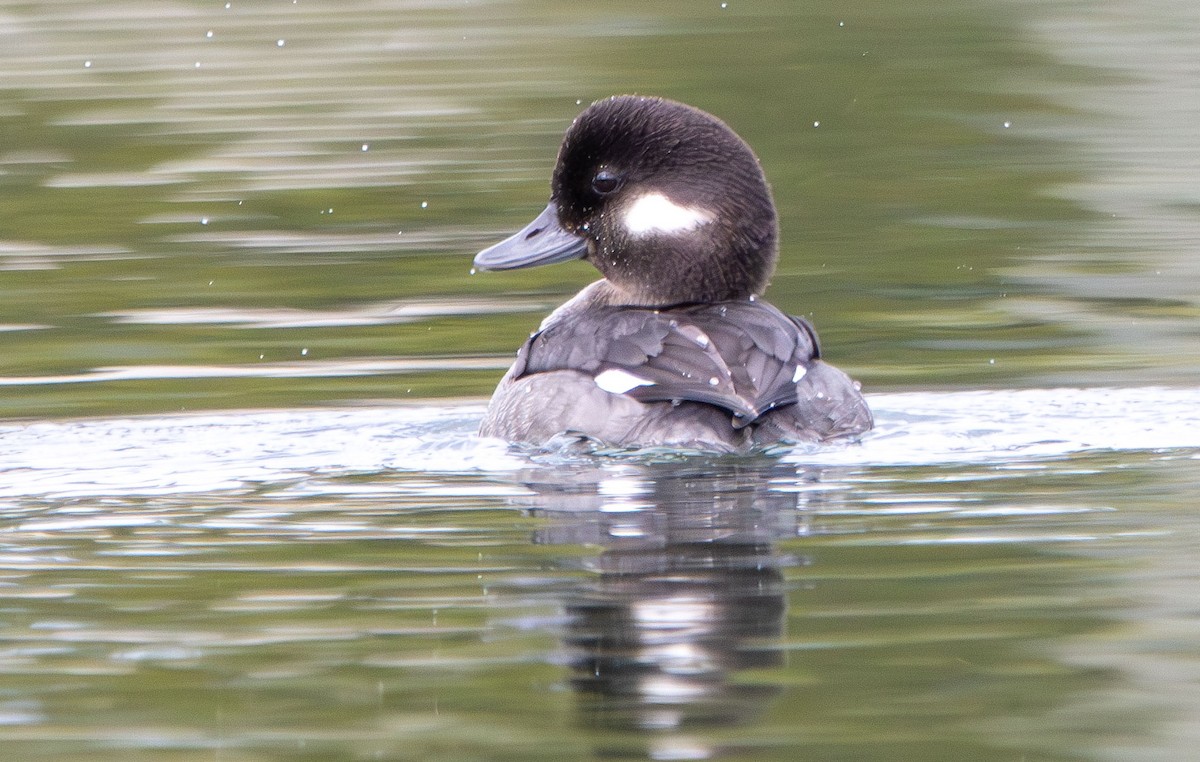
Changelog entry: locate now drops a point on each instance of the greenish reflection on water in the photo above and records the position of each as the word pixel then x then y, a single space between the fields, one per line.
pixel 734 609
pixel 275 205
pixel 916 154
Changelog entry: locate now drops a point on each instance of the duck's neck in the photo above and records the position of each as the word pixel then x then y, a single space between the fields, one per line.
pixel 603 293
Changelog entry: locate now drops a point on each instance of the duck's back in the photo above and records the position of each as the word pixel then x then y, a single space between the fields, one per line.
pixel 725 376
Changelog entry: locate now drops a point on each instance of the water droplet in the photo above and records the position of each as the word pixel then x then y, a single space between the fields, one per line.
pixel 816 124
pixel 473 271
pixel 304 352
pixel 1007 125
pixel 209 34
pixel 366 146
pixel 203 220
pixel 424 204
pixel 280 42
pixel 197 65
pixel 87 64
pixel 714 381
pixel 992 361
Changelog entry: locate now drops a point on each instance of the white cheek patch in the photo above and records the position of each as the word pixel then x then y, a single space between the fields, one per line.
pixel 655 213
pixel 617 381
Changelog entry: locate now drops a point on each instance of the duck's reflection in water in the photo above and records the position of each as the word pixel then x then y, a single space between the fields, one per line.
pixel 686 593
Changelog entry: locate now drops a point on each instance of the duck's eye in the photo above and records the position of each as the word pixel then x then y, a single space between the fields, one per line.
pixel 606 182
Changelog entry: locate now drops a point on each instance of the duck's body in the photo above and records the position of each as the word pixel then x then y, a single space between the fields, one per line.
pixel 673 347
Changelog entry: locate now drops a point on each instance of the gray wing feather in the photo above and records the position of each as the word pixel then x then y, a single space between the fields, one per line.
pixel 739 356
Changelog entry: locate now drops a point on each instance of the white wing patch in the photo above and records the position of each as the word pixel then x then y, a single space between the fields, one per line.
pixel 617 381
pixel 655 213
pixel 698 337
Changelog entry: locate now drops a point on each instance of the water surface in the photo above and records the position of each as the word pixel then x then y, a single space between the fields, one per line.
pixel 245 516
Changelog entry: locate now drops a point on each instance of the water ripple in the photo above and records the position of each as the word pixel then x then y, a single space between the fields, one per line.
pixel 1005 430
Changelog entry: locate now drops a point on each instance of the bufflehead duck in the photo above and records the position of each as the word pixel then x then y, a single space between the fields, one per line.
pixel 673 346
